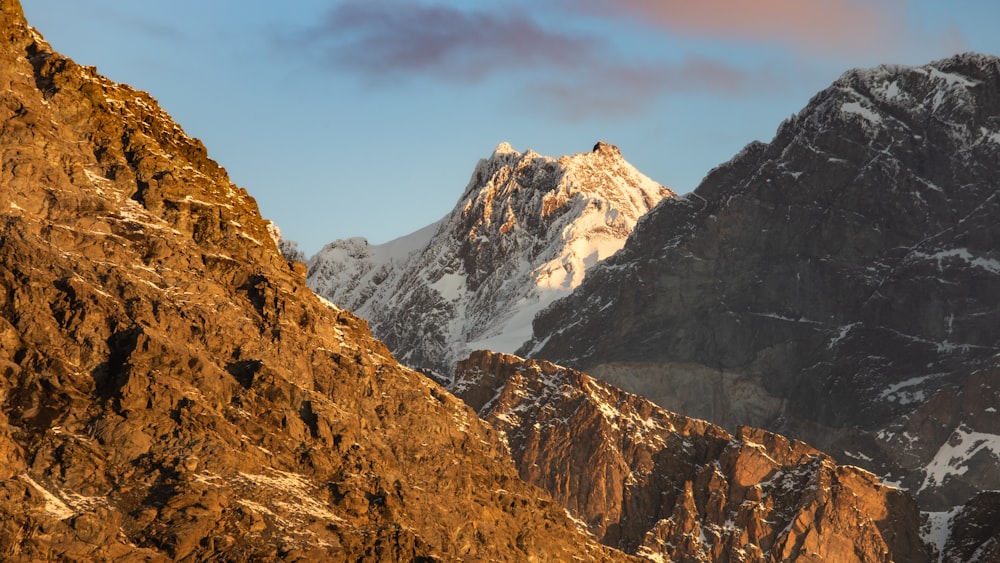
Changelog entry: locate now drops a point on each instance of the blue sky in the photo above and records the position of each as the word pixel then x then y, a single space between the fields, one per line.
pixel 367 117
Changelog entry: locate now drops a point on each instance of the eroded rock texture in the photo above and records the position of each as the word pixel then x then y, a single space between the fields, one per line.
pixel 840 284
pixel 171 389
pixel 663 485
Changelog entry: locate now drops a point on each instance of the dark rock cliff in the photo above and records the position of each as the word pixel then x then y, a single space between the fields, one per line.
pixel 840 284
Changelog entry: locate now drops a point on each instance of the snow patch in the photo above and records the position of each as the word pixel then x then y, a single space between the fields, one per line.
pixel 901 392
pixel 889 91
pixel 990 136
pixel 450 286
pixel 328 303
pixel 786 319
pixel 54 506
pixel 961 254
pixel 936 527
pixel 857 109
pixel 858 455
pixel 952 79
pixel 841 334
pixel 953 456
pixel 298 497
pixel 516 330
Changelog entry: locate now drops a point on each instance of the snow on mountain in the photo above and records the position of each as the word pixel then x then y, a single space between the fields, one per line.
pixel 839 284
pixel 351 270
pixel 288 248
pixel 524 233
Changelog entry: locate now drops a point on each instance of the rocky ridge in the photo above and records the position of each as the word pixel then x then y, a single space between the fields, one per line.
pixel 838 284
pixel 524 232
pixel 172 390
pixel 669 487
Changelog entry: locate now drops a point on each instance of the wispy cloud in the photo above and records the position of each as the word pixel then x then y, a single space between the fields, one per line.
pixel 831 27
pixel 382 40
pixel 576 74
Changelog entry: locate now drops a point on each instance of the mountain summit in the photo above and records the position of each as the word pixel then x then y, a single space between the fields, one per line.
pixel 525 231
pixel 172 390
pixel 840 284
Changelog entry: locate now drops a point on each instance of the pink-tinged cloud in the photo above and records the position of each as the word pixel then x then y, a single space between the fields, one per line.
pixel 830 26
pixel 574 76
pixel 383 40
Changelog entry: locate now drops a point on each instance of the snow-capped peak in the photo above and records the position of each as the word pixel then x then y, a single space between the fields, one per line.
pixel 524 232
pixel 878 100
pixel 504 148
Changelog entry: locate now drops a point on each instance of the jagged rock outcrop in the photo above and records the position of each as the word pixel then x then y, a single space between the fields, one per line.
pixel 840 284
pixel 975 530
pixel 172 390
pixel 669 487
pixel 524 233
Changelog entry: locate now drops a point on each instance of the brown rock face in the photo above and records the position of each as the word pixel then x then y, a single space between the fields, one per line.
pixel 666 486
pixel 170 388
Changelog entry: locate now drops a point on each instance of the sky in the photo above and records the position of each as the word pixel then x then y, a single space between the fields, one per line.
pixel 367 117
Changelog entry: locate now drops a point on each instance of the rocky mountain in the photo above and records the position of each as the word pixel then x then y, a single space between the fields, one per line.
pixel 973 530
pixel 523 234
pixel 840 284
pixel 172 390
pixel 673 488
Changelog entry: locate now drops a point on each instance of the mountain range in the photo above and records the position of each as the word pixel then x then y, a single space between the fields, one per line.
pixel 174 390
pixel 524 232
pixel 669 487
pixel 838 285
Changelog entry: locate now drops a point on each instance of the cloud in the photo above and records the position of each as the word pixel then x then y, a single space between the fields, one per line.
pixel 820 26
pixel 383 40
pixel 619 90
pixel 575 75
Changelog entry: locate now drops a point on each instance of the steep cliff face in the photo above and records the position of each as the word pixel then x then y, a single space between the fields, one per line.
pixel 974 530
pixel 839 284
pixel 669 487
pixel 170 387
pixel 523 234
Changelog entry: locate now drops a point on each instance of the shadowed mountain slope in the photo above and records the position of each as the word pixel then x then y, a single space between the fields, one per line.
pixel 840 284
